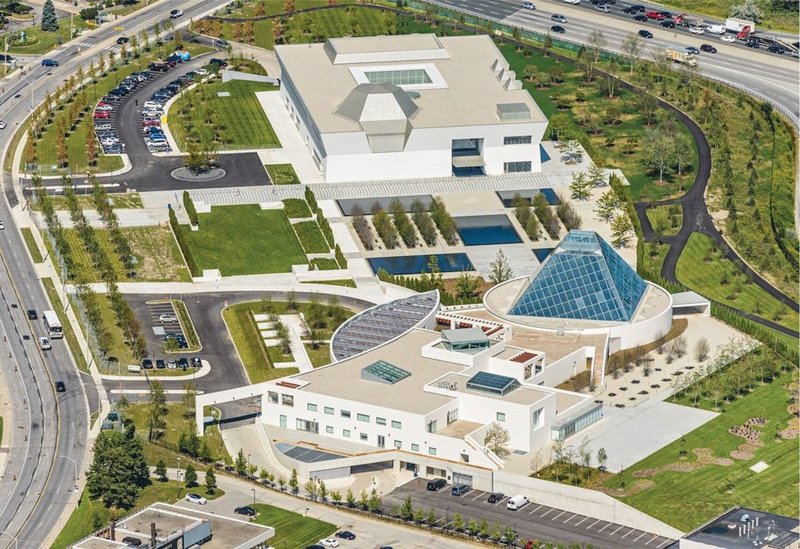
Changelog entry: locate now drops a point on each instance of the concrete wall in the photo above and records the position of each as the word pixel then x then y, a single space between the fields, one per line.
pixel 580 500
pixel 228 75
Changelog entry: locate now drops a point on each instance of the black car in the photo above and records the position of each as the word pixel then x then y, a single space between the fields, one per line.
pixel 708 48
pixel 196 363
pixel 218 62
pixel 123 40
pixel 32 314
pixel 642 18
pixel 496 497
pixel 183 363
pixel 158 67
pixel 638 8
pixel 558 29
pixel 160 364
pixel 669 24
pixel 60 387
pixel 629 10
pixel 645 33
pixel 436 484
pixel 775 48
pixel 246 511
pixel 147 364
pixel 346 534
pixel 753 43
pixel 666 14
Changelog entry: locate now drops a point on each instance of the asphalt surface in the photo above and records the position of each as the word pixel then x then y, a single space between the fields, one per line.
pixel 50 431
pixel 533 521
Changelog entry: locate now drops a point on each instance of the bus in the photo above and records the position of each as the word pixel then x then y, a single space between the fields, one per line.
pixel 52 325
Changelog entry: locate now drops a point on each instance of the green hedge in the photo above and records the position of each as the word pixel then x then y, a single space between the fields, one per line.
pixel 312 201
pixel 182 244
pixel 325 227
pixel 296 208
pixel 189 205
pixel 311 237
pixel 764 335
pixel 340 258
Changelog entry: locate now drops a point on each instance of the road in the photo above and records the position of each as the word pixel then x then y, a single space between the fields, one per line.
pixel 50 431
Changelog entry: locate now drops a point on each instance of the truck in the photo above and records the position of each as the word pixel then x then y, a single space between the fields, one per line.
pixel 742 27
pixel 686 20
pixel 682 56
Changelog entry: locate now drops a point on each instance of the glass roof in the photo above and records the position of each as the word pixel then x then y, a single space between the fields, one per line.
pixel 492 383
pixel 583 279
pixel 384 372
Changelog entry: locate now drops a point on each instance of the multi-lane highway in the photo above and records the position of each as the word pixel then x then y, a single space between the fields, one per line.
pixel 49 430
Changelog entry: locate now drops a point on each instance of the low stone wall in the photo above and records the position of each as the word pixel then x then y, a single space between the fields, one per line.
pixel 228 75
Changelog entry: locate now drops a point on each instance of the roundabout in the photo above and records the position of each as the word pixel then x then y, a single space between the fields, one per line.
pixel 186 174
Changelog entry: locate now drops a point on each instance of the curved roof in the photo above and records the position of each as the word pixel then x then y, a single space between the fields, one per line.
pixel 381 324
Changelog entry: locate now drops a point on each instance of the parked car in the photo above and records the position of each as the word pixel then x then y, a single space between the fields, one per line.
pixel 123 40
pixel 32 315
pixel 196 498
pixel 708 48
pixel 196 362
pixel 102 114
pixel 459 489
pixel 436 484
pixel 645 33
pixel 329 542
pixel 147 364
pixel 218 62
pixel 246 511
pixel 496 497
pixel 172 364
pixel 160 364
pixel 516 503
pixel 60 387
pixel 558 29
pixel 49 63
pixel 183 363
pixel 346 534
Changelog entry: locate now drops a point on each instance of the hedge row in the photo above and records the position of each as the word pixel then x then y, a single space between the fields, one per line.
pixel 182 244
pixel 188 204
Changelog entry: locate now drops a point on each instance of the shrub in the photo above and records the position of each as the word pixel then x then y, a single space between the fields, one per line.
pixel 386 231
pixel 362 228
pixel 312 201
pixel 403 223
pixel 325 227
pixel 88 14
pixel 568 216
pixel 189 205
pixel 340 258
pixel 444 221
pixel 549 221
pixel 296 208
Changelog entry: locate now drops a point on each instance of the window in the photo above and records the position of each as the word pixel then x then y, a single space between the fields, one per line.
pixel 452 416
pixel 515 167
pixel 345 413
pixel 329 429
pixel 432 451
pixel 501 416
pixel 398 77
pixel 304 425
pixel 431 427
pixel 329 410
pixel 397 424
pixel 415 447
pixel 517 140
pixel 398 444
pixel 272 397
pixel 380 420
pixel 287 400
pixel 537 418
pixel 362 417
pixel 346 433
pixel 311 407
pixel 282 421
pixel 363 436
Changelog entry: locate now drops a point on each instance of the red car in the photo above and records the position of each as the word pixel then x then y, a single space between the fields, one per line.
pixel 102 114
pixel 657 15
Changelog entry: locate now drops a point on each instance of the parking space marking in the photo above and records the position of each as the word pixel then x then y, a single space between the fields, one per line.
pixel 662 544
pixel 558 515
pixel 550 510
pixel 606 526
pixel 592 524
pixel 617 530
pixel 534 510
pixel 631 531
pixel 479 494
pixel 583 519
pixel 570 518
pixel 503 500
pixel 640 535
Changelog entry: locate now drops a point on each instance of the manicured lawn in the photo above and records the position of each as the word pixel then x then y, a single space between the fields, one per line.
pixel 666 220
pixel 276 355
pixel 195 114
pixel 292 529
pixel 346 282
pixel 324 263
pixel 319 356
pixel 241 240
pixel 686 500
pixel 246 65
pixel 39 41
pixel 86 202
pixel 704 270
pixel 311 237
pixel 296 208
pixel 282 174
pixel 69 332
pixel 91 515
pixel 30 242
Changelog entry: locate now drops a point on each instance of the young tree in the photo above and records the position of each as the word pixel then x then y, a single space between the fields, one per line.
pixel 49 19
pixel 211 480
pixel 188 399
pixel 350 498
pixel 467 285
pixel 311 489
pixel 597 41
pixel 701 350
pixel 497 439
pixel 407 509
pixel 156 411
pixel 621 228
pixel 500 269
pixel 294 483
pixel 658 151
pixel 322 491
pixel 458 522
pixel 632 45
pixel 602 459
pixel 190 476
pixel 161 471
pixel 579 188
pixel 240 463
pixel 683 147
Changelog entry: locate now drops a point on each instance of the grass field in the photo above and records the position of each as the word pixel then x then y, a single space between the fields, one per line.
pixel 242 64
pixel 91 515
pixel 282 174
pixel 296 208
pixel 242 240
pixel 69 331
pixel 319 356
pixel 195 114
pixel 686 500
pixel 39 41
pixel 311 237
pixel 704 270
pixel 292 529
pixel 30 243
pixel 666 220
pixel 86 201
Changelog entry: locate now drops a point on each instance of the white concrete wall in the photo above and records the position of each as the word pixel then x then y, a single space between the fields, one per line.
pixel 564 368
pixel 228 75
pixel 580 500
pixel 645 331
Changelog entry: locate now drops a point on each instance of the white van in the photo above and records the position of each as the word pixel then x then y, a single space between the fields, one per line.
pixel 134 368
pixel 528 5
pixel 516 503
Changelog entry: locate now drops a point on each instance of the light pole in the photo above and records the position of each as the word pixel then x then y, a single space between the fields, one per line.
pixel 178 475
pixel 254 495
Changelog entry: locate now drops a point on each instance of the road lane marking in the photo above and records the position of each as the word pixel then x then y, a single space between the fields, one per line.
pixel 592 524
pixel 664 543
pixel 479 494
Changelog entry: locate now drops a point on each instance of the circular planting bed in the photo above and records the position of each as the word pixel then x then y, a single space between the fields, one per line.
pixel 185 174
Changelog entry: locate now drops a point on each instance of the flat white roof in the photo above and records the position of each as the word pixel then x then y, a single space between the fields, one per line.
pixel 468 65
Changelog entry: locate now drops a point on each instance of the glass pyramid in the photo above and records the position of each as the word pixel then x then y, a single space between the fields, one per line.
pixel 583 279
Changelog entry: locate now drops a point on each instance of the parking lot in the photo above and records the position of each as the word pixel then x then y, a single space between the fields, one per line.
pixel 161 324
pixel 533 521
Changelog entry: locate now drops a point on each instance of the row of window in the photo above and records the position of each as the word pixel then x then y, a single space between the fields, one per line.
pixel 517 140
pixel 516 167
pixel 288 400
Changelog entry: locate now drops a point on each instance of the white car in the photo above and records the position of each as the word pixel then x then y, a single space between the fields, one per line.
pixel 573 2
pixel 3 124
pixel 728 38
pixel 174 14
pixel 2 226
pixel 196 498
pixel 167 318
pixel 697 30
pixel 104 108
pixel 330 542
pixel 44 344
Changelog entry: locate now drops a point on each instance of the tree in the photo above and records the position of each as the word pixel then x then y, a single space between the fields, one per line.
pixel 189 442
pixel 407 509
pixel 188 398
pixel 430 520
pixel 658 151
pixel 322 491
pixel 211 480
pixel 190 476
pixel 294 483
pixel 748 10
pixel 500 269
pixel 118 471
pixel 701 349
pixel 156 411
pixel 240 463
pixel 632 45
pixel 621 228
pixel 311 489
pixel 497 439
pixel 597 41
pixel 91 145
pixel 49 19
pixel 602 459
pixel 683 149
pixel 579 188
pixel 467 285
pixel 161 471
pixel 350 498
